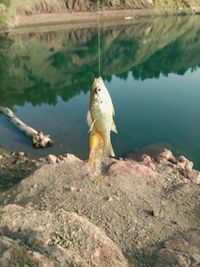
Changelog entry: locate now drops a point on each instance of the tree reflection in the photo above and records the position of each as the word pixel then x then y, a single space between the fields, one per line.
pixel 39 67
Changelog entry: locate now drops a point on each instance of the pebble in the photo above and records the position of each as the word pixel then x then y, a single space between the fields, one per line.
pixel 51 159
pixel 108 198
pixel 72 188
pixel 21 154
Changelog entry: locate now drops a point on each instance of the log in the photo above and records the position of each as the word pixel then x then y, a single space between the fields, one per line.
pixel 39 139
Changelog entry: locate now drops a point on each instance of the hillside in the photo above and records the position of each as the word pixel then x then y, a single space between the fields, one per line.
pixel 19 12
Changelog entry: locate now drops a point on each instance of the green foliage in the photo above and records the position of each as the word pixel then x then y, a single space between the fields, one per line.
pixel 3 21
pixel 5 2
pixel 103 1
pixel 3 16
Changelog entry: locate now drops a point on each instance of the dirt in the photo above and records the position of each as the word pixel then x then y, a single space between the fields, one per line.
pixel 133 214
pixel 14 166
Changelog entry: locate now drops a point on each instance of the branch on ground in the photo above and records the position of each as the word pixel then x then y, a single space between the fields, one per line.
pixel 39 139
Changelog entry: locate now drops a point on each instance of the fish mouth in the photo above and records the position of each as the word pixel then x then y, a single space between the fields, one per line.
pixel 98 79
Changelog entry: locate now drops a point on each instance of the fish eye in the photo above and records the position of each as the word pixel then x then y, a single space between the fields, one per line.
pixel 97 89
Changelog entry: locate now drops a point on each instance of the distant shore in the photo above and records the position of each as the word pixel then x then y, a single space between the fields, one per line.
pixel 88 18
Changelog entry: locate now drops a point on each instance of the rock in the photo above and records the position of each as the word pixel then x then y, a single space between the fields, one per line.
pixel 181 250
pixel 185 167
pixel 148 160
pixel 72 158
pixel 166 155
pixel 156 212
pixel 130 167
pixel 1 157
pixel 69 5
pixel 184 163
pixel 65 237
pixel 180 165
pixel 194 176
pixel 108 198
pixel 12 251
pixel 52 159
pixel 21 154
pixel 52 6
pixel 72 188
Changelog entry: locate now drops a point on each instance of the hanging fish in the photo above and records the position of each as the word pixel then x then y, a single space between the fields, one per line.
pixel 100 120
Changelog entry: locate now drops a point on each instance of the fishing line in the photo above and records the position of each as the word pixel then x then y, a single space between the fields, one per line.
pixel 99 40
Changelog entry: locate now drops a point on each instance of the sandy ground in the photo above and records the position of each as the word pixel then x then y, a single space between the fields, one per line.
pixel 84 17
pixel 134 214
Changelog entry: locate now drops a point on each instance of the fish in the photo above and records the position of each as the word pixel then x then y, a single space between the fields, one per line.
pixel 100 120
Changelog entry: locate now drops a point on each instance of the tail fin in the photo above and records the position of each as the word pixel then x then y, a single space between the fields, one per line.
pixel 96 143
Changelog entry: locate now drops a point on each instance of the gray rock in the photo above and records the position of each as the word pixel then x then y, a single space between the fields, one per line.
pixel 182 250
pixel 63 237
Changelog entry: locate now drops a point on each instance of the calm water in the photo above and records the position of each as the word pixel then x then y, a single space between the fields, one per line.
pixel 152 71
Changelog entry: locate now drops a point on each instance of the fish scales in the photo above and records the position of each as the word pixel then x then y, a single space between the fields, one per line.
pixel 100 116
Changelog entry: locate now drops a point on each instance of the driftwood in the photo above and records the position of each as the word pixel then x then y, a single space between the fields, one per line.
pixel 39 139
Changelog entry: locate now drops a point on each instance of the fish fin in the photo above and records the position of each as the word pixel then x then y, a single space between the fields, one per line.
pixel 108 150
pixel 112 153
pixel 90 122
pixel 89 118
pixel 114 129
pixel 113 110
pixel 91 126
pixel 96 142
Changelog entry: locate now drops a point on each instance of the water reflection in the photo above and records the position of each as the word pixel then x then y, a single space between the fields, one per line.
pixel 45 77
pixel 39 67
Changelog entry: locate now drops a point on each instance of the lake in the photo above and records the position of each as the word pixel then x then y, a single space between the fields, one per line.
pixel 151 68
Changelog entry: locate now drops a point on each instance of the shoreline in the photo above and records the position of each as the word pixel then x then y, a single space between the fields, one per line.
pixel 15 166
pixel 45 28
pixel 71 20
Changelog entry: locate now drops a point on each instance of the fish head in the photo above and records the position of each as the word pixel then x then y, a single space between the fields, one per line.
pixel 97 85
pixel 98 89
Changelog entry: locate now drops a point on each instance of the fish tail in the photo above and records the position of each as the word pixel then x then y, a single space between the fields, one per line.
pixel 96 142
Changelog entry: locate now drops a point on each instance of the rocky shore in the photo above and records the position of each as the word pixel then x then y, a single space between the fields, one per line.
pixel 135 214
pixel 39 12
